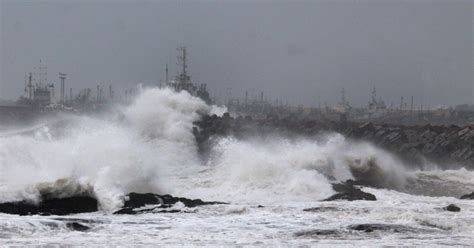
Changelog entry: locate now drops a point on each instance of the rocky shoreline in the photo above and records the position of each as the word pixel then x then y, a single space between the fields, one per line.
pixel 414 144
pixel 450 146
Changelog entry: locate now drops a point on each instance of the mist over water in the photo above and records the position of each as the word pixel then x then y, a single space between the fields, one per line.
pixel 148 146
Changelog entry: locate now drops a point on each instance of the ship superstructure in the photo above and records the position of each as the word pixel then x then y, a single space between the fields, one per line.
pixel 38 92
pixel 183 80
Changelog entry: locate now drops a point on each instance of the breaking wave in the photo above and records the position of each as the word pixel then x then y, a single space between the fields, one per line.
pixel 275 169
pixel 149 147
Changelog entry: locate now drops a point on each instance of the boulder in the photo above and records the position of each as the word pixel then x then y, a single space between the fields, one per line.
pixel 135 203
pixel 77 226
pixel 385 228
pixel 347 191
pixel 452 208
pixel 318 232
pixel 53 206
pixel 468 196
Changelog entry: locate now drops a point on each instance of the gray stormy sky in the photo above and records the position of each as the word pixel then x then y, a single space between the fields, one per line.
pixel 297 51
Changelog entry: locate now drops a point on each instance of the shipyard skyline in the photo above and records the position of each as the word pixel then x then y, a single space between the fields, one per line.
pixel 355 47
pixel 236 123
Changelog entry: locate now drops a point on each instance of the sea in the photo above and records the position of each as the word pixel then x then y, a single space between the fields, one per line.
pixel 274 184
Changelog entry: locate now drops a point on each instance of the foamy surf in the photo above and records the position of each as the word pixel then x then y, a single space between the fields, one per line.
pixel 149 147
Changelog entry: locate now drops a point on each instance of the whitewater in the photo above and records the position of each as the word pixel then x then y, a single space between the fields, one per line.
pixel 273 184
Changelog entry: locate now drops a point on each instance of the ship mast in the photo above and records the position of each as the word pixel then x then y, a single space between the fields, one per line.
pixel 374 95
pixel 183 77
pixel 166 72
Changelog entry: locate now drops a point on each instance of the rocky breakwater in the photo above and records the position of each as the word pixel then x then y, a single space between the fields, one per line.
pixel 449 146
pixel 65 197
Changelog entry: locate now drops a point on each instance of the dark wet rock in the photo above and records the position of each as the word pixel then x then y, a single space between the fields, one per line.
pixel 53 206
pixel 77 226
pixel 135 203
pixel 347 191
pixel 386 228
pixel 320 209
pixel 352 196
pixel 155 210
pixel 317 232
pixel 126 211
pixel 452 208
pixel 468 196
pixel 79 220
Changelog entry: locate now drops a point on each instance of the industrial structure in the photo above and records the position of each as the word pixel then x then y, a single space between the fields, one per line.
pixel 183 80
pixel 38 92
pixel 39 98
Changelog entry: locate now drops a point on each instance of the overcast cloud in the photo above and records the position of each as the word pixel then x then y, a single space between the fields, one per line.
pixel 296 51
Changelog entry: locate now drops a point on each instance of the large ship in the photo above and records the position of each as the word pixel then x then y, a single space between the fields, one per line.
pixel 37 101
pixel 39 98
pixel 183 80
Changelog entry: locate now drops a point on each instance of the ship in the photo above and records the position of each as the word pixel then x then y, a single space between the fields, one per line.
pixel 39 98
pixel 37 101
pixel 183 80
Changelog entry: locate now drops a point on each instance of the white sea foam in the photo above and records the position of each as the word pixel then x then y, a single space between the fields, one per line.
pixel 150 147
pixel 277 169
pixel 152 139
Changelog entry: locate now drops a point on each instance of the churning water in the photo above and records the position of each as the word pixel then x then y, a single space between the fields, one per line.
pixel 148 146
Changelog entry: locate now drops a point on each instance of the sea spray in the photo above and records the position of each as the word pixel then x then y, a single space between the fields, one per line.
pixel 274 168
pixel 149 147
pixel 137 152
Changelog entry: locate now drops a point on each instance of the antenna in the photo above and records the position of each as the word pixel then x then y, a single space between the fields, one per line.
pixel 183 78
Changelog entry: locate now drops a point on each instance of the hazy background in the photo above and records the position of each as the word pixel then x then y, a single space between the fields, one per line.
pixel 296 51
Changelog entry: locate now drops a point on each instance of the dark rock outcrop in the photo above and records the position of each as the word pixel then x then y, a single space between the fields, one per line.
pixel 320 209
pixel 318 232
pixel 385 227
pixel 347 191
pixel 135 203
pixel 54 206
pixel 452 208
pixel 77 226
pixel 468 196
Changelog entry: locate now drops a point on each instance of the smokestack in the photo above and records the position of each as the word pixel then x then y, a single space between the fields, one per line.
pixel 62 97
